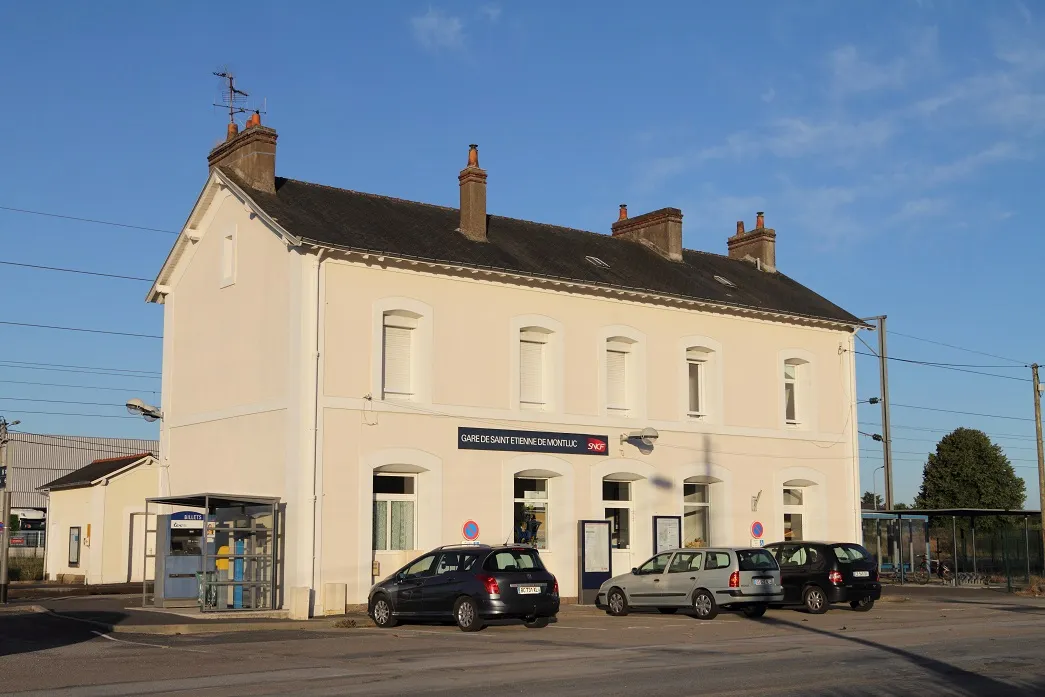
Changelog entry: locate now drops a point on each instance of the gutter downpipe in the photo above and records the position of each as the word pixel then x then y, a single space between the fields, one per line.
pixel 315 420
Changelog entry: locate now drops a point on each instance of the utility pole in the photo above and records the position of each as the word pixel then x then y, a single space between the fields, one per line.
pixel 5 511
pixel 887 438
pixel 1041 451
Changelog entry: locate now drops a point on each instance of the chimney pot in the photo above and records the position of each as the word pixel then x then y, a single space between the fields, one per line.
pixel 473 155
pixel 623 212
pixel 757 247
pixel 760 220
pixel 232 132
pixel 740 227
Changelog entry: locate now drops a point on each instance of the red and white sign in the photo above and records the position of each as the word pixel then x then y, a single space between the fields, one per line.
pixel 470 530
pixel 597 445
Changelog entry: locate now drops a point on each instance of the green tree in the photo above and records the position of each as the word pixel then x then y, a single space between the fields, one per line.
pixel 901 506
pixel 969 471
pixel 14 523
pixel 871 501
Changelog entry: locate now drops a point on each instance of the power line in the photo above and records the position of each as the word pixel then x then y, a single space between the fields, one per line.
pixel 82 367
pixel 80 387
pixel 1025 364
pixel 63 413
pixel 102 450
pixel 59 401
pixel 81 372
pixel 949 430
pixel 86 273
pixel 87 220
pixel 79 329
pixel 926 455
pixel 957 367
pixel 964 413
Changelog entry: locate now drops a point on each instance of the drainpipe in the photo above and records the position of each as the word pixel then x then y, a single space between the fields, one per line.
pixel 315 419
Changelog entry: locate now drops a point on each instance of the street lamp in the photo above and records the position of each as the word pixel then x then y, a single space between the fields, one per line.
pixel 137 407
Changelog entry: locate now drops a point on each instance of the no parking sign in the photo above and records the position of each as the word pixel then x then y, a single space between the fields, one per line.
pixel 756 534
pixel 470 530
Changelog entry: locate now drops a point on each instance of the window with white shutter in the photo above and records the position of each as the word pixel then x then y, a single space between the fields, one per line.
pixel 617 377
pixel 697 361
pixel 531 369
pixel 397 356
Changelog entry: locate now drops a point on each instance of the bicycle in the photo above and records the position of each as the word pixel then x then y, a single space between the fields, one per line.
pixel 927 568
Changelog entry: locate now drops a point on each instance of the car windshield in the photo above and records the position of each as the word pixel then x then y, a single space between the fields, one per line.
pixel 847 554
pixel 513 560
pixel 755 560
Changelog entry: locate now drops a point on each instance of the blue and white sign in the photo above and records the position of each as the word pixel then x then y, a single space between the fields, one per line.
pixel 470 530
pixel 531 441
pixel 186 520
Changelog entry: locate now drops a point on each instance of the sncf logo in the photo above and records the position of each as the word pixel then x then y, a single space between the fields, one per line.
pixel 596 445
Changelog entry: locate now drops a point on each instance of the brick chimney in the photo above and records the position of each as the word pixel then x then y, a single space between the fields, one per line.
pixel 473 198
pixel 250 154
pixel 660 230
pixel 757 246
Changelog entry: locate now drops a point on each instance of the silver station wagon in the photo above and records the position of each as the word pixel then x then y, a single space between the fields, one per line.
pixel 701 580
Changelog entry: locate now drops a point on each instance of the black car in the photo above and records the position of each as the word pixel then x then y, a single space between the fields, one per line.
pixel 816 574
pixel 468 584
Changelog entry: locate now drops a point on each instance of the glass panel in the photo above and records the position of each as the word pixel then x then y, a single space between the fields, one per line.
pixel 380 524
pixel 388 484
pixel 792 556
pixel 421 567
pixel 74 546
pixel 616 491
pixel 755 560
pixel 513 560
pixel 401 536
pixel 716 560
pixel 789 402
pixel 655 565
pixel 686 561
pixel 531 523
pixel 792 526
pixel 789 371
pixel 694 387
pixel 620 527
pixel 531 488
pixel 695 526
pixel 695 493
pixel 792 497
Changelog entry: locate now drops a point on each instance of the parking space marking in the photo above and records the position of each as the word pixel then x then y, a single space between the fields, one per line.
pixel 565 626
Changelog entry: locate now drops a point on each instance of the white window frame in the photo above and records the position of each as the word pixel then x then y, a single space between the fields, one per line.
pixel 633 343
pixel 421 349
pixel 540 337
pixel 389 498
pixel 400 321
pixel 628 505
pixel 700 366
pixel 546 526
pixel 618 349
pixel 229 244
pixel 805 417
pixel 553 362
pixel 706 352
pixel 687 505
pixel 792 509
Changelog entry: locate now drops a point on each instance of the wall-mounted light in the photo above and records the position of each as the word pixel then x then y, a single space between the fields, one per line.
pixel 137 407
pixel 647 436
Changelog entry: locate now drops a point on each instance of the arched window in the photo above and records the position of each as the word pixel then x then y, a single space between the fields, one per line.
pixel 700 386
pixel 401 367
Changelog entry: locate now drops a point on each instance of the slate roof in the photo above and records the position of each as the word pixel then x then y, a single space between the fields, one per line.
pixel 369 222
pixel 96 470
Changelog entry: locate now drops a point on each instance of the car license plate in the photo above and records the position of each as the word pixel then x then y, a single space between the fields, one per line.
pixel 763 581
pixel 529 590
pixel 861 574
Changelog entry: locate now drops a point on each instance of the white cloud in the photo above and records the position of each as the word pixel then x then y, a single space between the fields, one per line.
pixel 436 30
pixel 851 74
pixel 919 208
pixel 970 164
pixel 492 11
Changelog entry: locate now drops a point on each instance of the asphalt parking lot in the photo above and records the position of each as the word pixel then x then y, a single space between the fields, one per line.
pixel 971 643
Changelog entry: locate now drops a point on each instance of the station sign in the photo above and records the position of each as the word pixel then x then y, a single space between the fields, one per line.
pixel 532 441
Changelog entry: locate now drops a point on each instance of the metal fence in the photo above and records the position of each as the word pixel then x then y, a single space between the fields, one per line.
pixel 27 543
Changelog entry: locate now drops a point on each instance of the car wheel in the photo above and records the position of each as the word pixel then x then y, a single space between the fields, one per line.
pixel 755 611
pixel 466 613
pixel 704 606
pixel 536 622
pixel 617 603
pixel 381 613
pixel 862 605
pixel 814 600
pixel 668 610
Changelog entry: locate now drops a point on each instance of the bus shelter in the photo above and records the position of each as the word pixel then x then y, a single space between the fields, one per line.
pixel 219 552
pixel 978 546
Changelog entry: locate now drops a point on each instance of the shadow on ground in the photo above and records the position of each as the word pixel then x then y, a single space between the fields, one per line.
pixel 26 632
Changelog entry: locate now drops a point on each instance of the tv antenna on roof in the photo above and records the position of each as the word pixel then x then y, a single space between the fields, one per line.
pixel 233 98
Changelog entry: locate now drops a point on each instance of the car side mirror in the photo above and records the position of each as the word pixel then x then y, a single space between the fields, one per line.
pixel 635 571
pixel 400 576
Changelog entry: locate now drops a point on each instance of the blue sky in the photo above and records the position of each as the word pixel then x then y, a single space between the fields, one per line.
pixel 895 148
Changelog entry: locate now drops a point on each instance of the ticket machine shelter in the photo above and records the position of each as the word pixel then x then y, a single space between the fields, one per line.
pixel 217 551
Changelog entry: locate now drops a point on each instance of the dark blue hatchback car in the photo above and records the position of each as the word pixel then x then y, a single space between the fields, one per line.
pixel 468 584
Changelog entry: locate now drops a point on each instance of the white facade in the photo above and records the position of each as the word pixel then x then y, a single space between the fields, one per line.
pixel 313 374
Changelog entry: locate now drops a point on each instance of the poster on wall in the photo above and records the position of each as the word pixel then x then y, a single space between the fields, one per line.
pixel 667 533
pixel 596 547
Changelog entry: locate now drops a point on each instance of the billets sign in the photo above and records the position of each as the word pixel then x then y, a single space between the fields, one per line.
pixel 531 441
